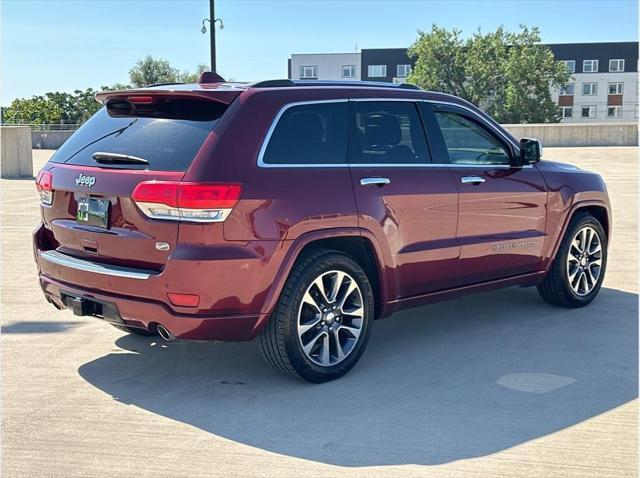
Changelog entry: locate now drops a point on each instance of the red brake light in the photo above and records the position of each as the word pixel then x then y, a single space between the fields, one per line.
pixel 44 185
pixel 204 202
pixel 140 100
pixel 161 192
pixel 44 181
pixel 208 195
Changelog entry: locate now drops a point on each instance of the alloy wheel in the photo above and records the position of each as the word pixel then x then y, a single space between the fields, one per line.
pixel 330 318
pixel 584 261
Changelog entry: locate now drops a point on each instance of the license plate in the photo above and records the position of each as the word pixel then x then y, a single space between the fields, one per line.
pixel 93 212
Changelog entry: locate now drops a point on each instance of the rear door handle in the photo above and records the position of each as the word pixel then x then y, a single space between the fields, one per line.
pixel 374 182
pixel 472 180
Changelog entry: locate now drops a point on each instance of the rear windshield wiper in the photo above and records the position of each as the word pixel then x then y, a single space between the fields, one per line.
pixel 111 158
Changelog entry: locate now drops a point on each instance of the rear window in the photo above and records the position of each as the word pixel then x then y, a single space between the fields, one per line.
pixel 314 133
pixel 167 133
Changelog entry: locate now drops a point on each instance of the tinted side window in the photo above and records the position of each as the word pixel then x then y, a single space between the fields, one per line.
pixel 469 143
pixel 389 132
pixel 310 134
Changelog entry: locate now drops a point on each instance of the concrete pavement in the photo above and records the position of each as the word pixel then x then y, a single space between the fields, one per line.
pixel 495 384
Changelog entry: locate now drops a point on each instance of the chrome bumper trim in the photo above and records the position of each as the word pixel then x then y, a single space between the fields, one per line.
pixel 61 259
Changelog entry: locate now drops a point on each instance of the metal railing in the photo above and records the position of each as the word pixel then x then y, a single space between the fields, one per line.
pixel 47 127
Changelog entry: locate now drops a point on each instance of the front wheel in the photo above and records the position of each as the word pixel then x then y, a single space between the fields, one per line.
pixel 322 323
pixel 577 271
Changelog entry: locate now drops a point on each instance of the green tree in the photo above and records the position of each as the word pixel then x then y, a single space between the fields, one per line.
pixel 35 110
pixel 115 87
pixel 150 70
pixel 188 77
pixel 507 74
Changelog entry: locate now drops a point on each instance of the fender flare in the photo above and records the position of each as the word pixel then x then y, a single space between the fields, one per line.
pixel 572 211
pixel 382 257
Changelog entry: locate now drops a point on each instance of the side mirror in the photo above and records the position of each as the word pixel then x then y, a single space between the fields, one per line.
pixel 530 151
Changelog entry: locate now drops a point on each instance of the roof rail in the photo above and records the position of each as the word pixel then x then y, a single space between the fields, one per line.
pixel 361 84
pixel 272 84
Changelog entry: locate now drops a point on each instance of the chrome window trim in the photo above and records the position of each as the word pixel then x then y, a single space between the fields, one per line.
pixel 61 259
pixel 274 123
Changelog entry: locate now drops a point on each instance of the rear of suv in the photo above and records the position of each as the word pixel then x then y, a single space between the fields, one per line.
pixel 299 212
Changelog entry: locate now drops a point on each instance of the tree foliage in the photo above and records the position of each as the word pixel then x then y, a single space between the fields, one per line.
pixel 149 71
pixel 77 107
pixel 188 77
pixel 35 110
pixel 507 74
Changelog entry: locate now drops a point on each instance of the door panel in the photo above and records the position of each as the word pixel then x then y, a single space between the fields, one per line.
pixel 409 206
pixel 501 226
pixel 502 208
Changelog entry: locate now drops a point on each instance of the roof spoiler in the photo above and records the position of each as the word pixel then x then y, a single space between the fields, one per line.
pixel 148 96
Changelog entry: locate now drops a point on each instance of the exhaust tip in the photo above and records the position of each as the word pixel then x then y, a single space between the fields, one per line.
pixel 164 333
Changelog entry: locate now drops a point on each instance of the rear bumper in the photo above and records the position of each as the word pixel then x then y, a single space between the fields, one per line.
pixel 231 279
pixel 136 312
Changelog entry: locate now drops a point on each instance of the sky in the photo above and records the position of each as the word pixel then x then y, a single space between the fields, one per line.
pixel 76 44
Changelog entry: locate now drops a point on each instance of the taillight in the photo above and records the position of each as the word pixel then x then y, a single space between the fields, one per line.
pixel 179 201
pixel 44 185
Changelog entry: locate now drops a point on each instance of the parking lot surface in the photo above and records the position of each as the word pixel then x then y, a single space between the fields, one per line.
pixel 493 384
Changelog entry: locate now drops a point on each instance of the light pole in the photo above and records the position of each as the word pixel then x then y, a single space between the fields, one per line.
pixel 212 24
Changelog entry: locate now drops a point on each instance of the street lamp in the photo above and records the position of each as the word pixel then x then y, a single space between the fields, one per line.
pixel 212 24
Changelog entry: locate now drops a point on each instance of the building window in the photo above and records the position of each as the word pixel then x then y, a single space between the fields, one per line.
pixel 637 110
pixel 589 89
pixel 590 66
pixel 571 65
pixel 309 72
pixel 566 112
pixel 615 88
pixel 614 111
pixel 616 65
pixel 348 71
pixel 588 112
pixel 403 71
pixel 568 89
pixel 377 71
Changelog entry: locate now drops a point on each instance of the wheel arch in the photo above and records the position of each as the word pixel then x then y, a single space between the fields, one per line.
pixel 357 243
pixel 597 209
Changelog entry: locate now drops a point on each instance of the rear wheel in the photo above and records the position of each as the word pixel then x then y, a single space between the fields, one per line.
pixel 578 269
pixel 322 323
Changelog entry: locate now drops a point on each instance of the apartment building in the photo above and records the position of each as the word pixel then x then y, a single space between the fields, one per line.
pixel 325 66
pixel 604 81
pixel 603 86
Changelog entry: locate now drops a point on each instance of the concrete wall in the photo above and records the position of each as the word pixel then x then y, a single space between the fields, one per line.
pixel 16 160
pixel 49 139
pixel 578 134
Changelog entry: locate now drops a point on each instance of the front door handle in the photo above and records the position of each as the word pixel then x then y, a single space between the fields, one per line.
pixel 374 182
pixel 472 180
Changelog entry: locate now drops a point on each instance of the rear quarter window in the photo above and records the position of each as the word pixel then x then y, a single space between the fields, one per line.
pixel 307 134
pixel 168 134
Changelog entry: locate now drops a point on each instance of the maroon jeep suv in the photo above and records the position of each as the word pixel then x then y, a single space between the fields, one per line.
pixel 298 212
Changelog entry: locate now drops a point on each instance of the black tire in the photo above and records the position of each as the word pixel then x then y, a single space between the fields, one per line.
pixel 136 330
pixel 279 340
pixel 555 288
